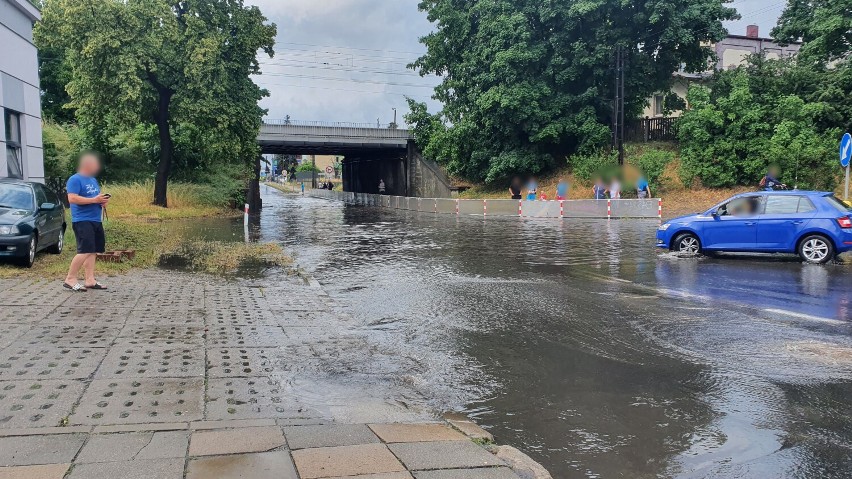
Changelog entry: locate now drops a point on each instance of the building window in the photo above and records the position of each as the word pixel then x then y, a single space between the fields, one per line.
pixel 658 105
pixel 14 163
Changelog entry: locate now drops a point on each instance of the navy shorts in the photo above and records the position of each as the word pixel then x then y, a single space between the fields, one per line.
pixel 90 237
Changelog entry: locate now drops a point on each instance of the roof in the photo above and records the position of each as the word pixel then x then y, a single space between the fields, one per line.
pixel 14 181
pixel 27 8
pixel 764 39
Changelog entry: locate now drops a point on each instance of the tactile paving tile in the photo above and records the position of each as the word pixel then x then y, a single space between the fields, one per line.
pixel 34 293
pixel 166 317
pixel 137 401
pixel 23 314
pixel 142 334
pixel 236 298
pixel 247 398
pixel 241 362
pixel 142 361
pixel 49 363
pixel 26 404
pixel 65 315
pixel 249 317
pixel 91 336
pixel 10 332
pixel 170 302
pixel 112 298
pixel 245 336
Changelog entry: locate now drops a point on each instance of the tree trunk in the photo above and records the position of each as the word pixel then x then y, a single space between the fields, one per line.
pixel 253 193
pixel 164 168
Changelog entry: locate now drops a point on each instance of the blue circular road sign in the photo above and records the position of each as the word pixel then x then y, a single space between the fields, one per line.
pixel 845 150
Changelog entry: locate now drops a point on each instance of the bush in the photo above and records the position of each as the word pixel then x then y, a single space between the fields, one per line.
pixel 307 168
pixel 653 162
pixel 587 167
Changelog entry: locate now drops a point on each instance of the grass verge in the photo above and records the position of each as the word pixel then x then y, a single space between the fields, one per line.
pixel 156 236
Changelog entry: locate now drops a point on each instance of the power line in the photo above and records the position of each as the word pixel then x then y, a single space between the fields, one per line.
pixel 348 48
pixel 377 92
pixel 341 68
pixel 352 80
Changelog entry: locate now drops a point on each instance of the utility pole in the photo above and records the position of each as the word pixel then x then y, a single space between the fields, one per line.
pixel 618 105
pixel 313 171
pixel 394 119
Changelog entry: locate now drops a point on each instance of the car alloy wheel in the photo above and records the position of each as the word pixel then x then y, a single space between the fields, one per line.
pixel 816 250
pixel 61 242
pixel 30 258
pixel 688 244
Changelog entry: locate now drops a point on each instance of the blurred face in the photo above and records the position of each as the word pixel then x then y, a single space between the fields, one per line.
pixel 90 165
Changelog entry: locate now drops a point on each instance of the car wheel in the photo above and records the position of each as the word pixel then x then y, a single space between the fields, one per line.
pixel 687 243
pixel 816 249
pixel 60 243
pixel 28 260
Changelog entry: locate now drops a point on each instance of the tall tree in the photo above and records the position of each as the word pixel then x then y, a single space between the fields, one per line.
pixel 527 81
pixel 164 62
pixel 825 26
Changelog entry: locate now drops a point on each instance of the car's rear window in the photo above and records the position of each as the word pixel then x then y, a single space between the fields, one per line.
pixel 841 206
pixel 16 197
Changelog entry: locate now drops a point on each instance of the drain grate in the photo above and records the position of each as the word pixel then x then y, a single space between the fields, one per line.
pixel 49 363
pixel 25 404
pixel 141 334
pixel 246 398
pixel 245 336
pixel 137 361
pixel 241 362
pixel 137 401
pixel 71 336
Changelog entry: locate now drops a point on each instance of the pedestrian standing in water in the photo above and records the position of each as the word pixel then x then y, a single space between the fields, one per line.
pixel 615 189
pixel 303 188
pixel 515 188
pixel 599 190
pixel 381 186
pixel 561 190
pixel 532 188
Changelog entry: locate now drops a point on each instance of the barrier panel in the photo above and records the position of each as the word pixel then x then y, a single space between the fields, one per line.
pixel 646 208
pixel 470 207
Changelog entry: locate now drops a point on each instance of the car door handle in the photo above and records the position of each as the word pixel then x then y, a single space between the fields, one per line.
pixel 797 222
pixel 750 223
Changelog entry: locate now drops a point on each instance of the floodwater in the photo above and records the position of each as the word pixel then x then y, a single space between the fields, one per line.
pixel 581 344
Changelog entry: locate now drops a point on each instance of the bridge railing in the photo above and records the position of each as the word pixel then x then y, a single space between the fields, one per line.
pixel 629 208
pixel 332 124
pixel 333 130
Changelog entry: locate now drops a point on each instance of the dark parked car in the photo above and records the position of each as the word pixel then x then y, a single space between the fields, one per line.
pixel 32 218
pixel 813 224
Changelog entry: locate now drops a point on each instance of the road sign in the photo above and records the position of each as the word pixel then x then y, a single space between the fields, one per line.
pixel 329 170
pixel 845 150
pixel 845 156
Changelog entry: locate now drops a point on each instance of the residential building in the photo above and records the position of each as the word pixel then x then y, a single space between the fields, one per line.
pixel 21 152
pixel 731 52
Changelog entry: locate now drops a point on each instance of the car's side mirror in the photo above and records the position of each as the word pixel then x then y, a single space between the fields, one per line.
pixel 47 207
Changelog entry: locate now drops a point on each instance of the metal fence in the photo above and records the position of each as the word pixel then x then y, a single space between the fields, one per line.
pixel 652 129
pixel 628 208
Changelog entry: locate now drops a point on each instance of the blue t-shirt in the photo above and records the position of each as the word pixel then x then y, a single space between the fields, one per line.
pixel 562 189
pixel 642 185
pixel 87 188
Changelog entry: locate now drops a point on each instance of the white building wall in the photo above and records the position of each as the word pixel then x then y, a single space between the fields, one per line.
pixel 19 85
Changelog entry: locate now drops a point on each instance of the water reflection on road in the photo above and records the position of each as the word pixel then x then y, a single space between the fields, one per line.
pixel 596 354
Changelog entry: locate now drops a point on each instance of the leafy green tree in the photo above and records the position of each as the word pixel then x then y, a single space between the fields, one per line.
pixel 307 167
pixel 181 65
pixel 825 26
pixel 756 116
pixel 528 81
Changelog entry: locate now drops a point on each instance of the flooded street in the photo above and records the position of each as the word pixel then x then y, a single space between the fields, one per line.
pixel 581 344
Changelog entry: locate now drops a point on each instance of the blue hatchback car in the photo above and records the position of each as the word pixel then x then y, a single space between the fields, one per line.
pixel 815 225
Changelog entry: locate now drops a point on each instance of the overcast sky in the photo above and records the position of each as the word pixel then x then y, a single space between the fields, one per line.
pixel 344 60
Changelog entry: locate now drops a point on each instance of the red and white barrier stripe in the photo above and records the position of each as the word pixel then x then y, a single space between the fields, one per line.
pixel 436 206
pixel 660 208
pixel 608 209
pixel 521 208
pixel 484 207
pixel 457 207
pixel 561 209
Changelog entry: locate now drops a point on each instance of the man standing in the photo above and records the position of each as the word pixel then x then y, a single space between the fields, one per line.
pixel 87 204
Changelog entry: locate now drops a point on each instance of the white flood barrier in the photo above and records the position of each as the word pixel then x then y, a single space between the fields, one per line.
pixel 627 208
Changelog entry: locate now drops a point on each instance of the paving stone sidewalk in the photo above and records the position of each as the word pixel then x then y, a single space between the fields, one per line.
pixel 171 375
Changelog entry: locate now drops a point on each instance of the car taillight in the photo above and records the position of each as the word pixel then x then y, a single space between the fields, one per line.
pixel 844 222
